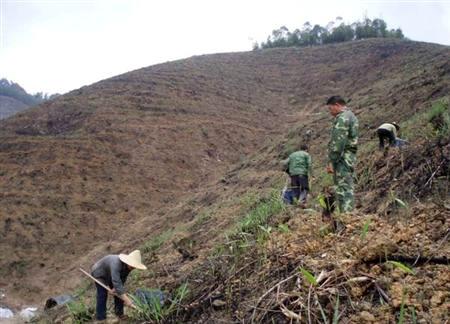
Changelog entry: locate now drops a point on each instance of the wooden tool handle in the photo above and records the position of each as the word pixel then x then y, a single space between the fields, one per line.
pixel 99 282
pixel 106 287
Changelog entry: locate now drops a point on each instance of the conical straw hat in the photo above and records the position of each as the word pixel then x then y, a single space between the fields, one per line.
pixel 133 259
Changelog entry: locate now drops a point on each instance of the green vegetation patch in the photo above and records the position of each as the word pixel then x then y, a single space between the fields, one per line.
pixel 261 213
pixel 335 32
pixel 439 117
pixel 80 312
pixel 154 310
pixel 155 243
pixel 429 124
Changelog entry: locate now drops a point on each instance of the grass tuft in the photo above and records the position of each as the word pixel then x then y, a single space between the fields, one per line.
pixel 365 229
pixel 439 117
pixel 155 243
pixel 336 311
pixel 80 312
pixel 261 213
pixel 402 267
pixel 154 311
pixel 308 276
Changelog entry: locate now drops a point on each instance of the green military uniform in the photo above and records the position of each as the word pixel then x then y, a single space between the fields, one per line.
pixel 299 167
pixel 299 163
pixel 342 155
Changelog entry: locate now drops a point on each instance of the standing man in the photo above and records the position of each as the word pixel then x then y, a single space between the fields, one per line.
pixel 342 152
pixel 113 271
pixel 298 165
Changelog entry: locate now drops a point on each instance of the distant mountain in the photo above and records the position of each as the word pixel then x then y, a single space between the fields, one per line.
pixel 10 106
pixel 14 90
pixel 13 98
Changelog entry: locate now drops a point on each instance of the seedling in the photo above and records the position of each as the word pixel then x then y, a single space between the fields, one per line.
pixel 402 267
pixel 336 311
pixel 401 203
pixel 308 276
pixel 283 228
pixel 365 229
pixel 401 318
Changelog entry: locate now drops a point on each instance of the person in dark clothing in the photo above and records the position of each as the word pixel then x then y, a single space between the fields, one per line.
pixel 299 166
pixel 387 131
pixel 113 270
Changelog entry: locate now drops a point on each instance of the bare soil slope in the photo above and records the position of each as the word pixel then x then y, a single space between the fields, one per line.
pixel 109 166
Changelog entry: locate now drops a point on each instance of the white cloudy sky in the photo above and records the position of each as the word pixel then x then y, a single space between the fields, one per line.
pixel 59 45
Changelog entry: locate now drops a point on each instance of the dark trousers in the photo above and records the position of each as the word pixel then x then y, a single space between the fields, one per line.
pixel 102 297
pixel 384 134
pixel 300 187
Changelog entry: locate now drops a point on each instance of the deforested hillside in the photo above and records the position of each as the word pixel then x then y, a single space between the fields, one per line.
pixel 159 156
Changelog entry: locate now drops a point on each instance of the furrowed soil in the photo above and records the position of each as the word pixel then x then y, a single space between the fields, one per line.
pixel 171 157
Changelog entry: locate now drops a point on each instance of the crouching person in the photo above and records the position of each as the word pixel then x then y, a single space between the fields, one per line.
pixel 113 270
pixel 298 166
pixel 388 132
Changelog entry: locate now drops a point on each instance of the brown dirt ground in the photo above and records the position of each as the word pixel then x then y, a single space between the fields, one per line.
pixel 350 266
pixel 353 267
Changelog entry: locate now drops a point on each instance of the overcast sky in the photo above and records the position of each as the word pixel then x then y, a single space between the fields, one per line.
pixel 60 45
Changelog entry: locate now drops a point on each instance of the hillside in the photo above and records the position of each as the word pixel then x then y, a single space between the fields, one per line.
pixel 10 106
pixel 14 98
pixel 179 152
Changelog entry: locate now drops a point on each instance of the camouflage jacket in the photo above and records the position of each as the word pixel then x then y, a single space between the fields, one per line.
pixel 298 163
pixel 344 136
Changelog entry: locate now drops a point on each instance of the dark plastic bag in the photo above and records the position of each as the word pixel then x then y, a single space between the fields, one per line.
pixel 150 296
pixel 287 195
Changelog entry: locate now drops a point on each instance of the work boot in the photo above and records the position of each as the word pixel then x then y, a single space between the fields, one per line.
pixel 123 318
pixel 107 321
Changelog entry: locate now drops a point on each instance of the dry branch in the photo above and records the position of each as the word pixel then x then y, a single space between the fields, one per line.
pixel 268 292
